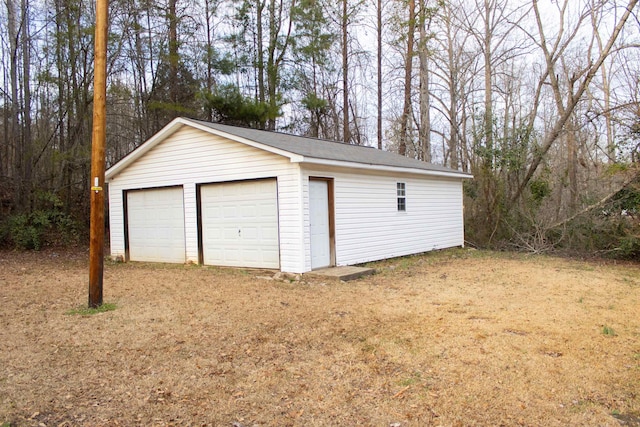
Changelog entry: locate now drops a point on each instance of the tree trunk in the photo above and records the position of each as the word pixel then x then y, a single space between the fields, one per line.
pixel 606 93
pixel 425 98
pixel 14 109
pixel 408 74
pixel 61 80
pixel 452 84
pixel 379 69
pixel 572 163
pixel 260 51
pixel 488 87
pixel 346 133
pixel 272 62
pixel 209 13
pixel 27 149
pixel 174 59
pixel 275 58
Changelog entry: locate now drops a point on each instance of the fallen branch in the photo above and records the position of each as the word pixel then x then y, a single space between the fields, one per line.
pixel 598 204
pixel 398 394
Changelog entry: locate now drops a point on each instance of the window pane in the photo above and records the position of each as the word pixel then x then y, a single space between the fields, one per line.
pixel 401 189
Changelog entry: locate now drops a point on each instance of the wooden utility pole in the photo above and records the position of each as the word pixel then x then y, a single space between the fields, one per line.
pixel 98 142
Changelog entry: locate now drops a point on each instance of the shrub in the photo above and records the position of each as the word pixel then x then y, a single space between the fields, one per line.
pixel 48 225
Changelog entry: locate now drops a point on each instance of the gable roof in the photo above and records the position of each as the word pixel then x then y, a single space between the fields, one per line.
pixel 297 149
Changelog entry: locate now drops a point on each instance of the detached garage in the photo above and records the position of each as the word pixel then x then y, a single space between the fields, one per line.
pixel 222 195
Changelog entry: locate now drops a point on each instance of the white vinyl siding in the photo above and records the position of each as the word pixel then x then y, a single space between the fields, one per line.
pixel 369 226
pixel 190 157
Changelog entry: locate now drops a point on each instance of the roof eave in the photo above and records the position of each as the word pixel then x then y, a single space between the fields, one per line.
pixel 384 168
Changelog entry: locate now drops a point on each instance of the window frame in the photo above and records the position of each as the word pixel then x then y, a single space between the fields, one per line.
pixel 401 196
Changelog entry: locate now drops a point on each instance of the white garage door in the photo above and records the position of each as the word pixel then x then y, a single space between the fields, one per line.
pixel 240 224
pixel 155 224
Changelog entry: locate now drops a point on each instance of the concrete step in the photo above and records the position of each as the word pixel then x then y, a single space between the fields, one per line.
pixel 344 273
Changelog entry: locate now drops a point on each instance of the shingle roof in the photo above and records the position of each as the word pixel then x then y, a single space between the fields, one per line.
pixel 302 149
pixel 328 150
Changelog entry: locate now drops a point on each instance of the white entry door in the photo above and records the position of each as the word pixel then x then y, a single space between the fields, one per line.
pixel 319 223
pixel 240 224
pixel 155 225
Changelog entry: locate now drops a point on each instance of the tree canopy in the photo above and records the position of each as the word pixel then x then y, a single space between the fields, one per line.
pixel 538 99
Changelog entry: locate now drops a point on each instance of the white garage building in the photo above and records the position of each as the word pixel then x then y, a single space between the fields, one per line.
pixel 222 195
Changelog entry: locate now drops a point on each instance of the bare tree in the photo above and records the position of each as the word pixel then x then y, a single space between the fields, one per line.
pixel 14 109
pixel 424 132
pixel 379 71
pixel 451 68
pixel 582 79
pixel 406 114
pixel 346 131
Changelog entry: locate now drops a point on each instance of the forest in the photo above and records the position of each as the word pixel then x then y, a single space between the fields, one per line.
pixel 538 99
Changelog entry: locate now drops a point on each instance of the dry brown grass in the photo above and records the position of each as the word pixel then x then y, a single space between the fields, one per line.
pixel 450 338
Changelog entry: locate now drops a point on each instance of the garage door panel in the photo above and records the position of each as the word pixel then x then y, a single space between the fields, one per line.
pixel 250 233
pixel 155 220
pixel 229 212
pixel 227 233
pixel 248 212
pixel 240 224
pixel 232 256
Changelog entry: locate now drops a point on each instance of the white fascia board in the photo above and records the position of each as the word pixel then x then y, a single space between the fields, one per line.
pixel 383 168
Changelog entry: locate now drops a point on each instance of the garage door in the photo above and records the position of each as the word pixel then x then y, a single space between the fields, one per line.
pixel 240 224
pixel 155 225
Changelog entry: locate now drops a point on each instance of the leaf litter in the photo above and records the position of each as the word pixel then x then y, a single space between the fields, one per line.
pixel 451 338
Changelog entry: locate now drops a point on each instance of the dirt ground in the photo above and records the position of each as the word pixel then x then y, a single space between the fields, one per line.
pixel 453 338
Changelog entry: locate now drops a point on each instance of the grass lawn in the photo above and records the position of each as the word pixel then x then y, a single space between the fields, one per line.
pixel 451 338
